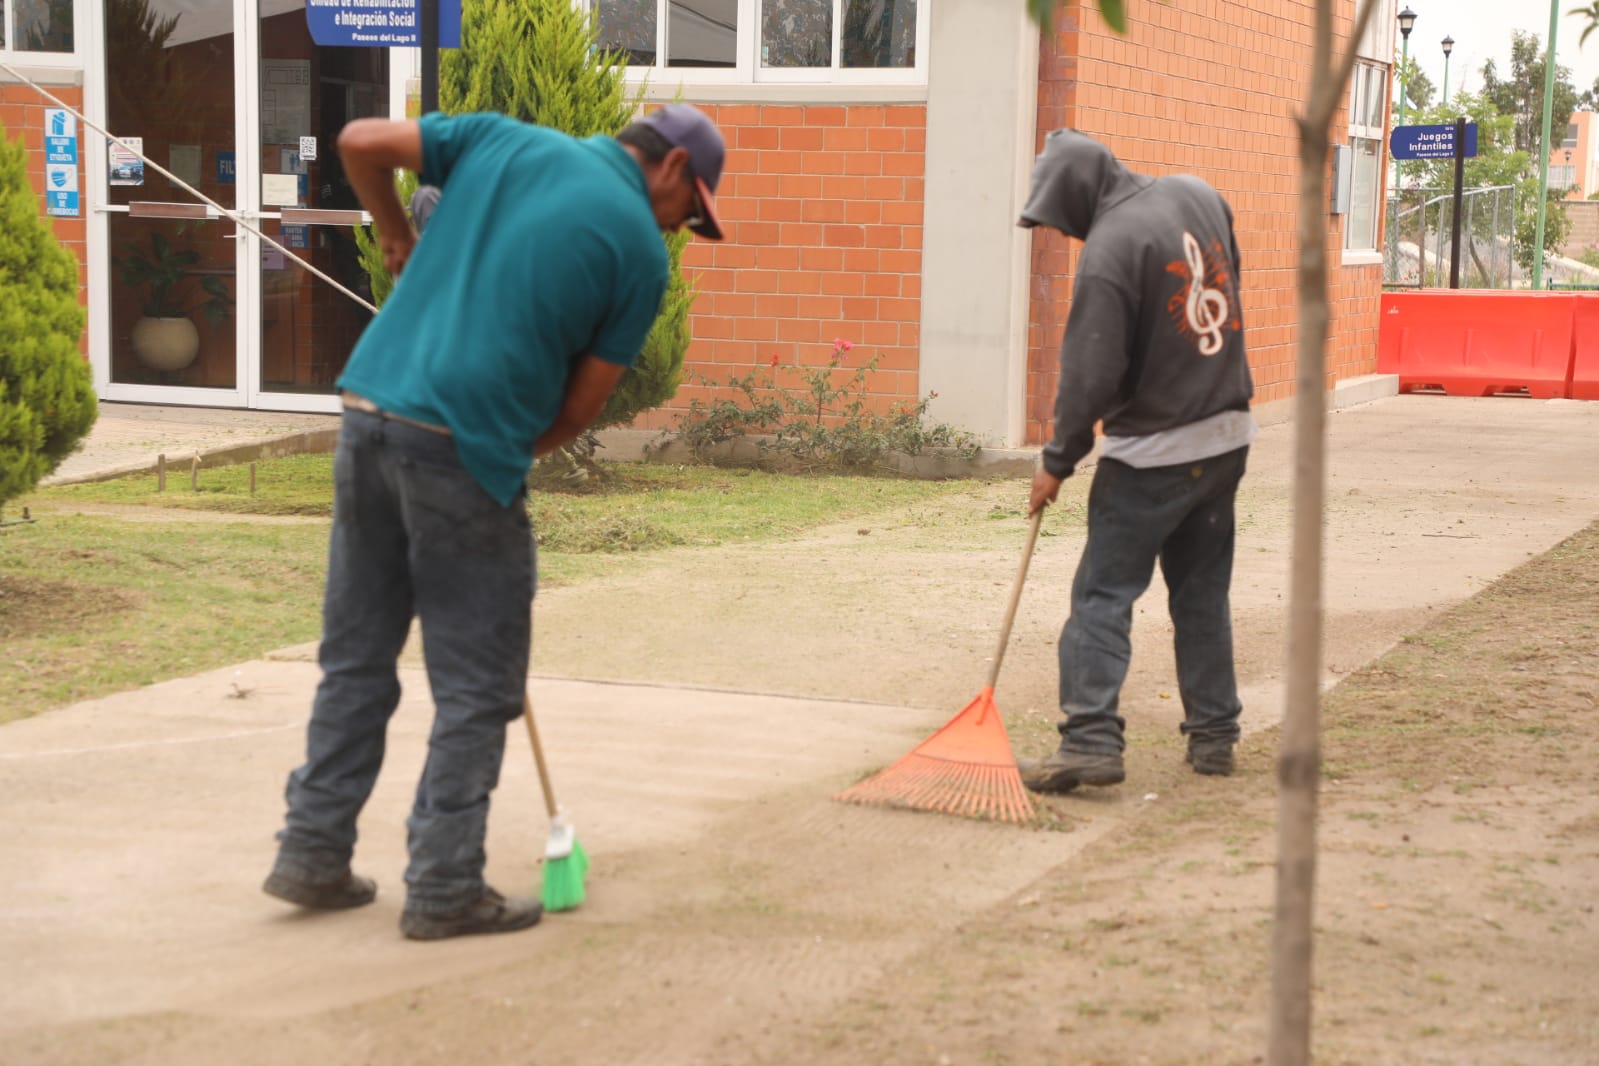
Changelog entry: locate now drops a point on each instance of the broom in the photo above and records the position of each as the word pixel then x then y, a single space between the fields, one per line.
pixel 966 768
pixel 565 861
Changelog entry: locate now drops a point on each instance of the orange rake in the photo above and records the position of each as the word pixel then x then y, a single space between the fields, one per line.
pixel 966 768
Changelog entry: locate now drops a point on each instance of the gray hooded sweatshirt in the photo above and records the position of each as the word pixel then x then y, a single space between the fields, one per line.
pixel 1155 341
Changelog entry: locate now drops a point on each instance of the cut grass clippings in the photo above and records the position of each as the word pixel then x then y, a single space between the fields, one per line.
pixel 117 585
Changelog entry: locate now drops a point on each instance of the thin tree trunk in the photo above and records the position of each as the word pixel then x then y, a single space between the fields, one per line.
pixel 1299 756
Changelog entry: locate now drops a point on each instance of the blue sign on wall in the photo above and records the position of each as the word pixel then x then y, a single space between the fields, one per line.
pixel 1430 142
pixel 61 162
pixel 225 175
pixel 379 23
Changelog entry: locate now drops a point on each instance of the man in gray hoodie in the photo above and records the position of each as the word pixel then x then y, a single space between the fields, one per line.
pixel 1154 349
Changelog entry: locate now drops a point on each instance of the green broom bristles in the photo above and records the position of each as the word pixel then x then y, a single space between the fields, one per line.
pixel 563 879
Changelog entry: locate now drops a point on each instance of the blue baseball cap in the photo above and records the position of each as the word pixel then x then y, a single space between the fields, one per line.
pixel 686 126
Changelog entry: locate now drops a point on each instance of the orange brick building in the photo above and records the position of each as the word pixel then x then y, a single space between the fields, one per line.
pixel 879 151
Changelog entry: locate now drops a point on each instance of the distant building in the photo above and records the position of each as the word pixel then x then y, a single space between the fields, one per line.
pixel 879 155
pixel 1574 163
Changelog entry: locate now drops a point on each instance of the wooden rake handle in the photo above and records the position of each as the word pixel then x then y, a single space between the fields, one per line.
pixel 538 754
pixel 1015 598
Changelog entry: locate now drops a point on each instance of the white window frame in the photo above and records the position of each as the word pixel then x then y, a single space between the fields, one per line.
pixel 747 69
pixel 45 60
pixel 1368 86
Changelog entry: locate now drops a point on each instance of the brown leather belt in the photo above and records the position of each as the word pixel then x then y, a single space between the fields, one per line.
pixel 354 402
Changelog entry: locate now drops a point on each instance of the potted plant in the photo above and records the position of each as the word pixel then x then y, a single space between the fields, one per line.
pixel 165 338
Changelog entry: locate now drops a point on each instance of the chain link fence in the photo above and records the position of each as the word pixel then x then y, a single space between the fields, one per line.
pixel 1420 238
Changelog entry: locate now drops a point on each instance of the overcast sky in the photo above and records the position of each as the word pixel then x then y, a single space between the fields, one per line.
pixel 1482 28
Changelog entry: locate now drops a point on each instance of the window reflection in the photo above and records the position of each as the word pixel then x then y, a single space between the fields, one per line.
pixel 879 33
pixel 629 26
pixel 702 33
pixel 797 33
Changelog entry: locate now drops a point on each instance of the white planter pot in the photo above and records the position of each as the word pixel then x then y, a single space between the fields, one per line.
pixel 165 343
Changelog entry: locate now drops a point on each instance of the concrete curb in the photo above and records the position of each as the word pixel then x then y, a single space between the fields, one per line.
pixel 646 445
pixel 303 442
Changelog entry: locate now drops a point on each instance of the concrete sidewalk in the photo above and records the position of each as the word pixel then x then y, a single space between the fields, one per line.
pixel 136 827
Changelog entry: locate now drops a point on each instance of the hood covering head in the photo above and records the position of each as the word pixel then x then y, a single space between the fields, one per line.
pixel 1075 181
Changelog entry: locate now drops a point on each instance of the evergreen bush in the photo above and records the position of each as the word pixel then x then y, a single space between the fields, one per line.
pixel 47 401
pixel 540 61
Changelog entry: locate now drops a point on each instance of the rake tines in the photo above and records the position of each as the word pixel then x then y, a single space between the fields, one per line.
pixel 965 769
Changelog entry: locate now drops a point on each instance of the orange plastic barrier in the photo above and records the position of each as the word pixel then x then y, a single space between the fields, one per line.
pixel 1480 342
pixel 1585 359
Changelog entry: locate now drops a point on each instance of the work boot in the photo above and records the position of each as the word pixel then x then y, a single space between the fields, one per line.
pixel 492 913
pixel 337 895
pixel 1065 770
pixel 1212 760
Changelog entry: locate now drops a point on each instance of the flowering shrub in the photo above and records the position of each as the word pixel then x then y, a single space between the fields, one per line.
pixel 824 423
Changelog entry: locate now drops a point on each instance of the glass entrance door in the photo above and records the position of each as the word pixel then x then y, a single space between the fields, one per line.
pixel 173 263
pixel 307 328
pixel 233 97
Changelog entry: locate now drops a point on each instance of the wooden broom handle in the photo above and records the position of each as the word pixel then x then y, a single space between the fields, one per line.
pixel 538 754
pixel 1015 596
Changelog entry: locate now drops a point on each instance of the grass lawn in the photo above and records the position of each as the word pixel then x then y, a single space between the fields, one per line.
pixel 116 585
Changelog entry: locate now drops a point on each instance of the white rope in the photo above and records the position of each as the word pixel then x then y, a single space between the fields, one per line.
pixel 196 193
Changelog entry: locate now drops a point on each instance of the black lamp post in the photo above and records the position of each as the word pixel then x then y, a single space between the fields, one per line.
pixel 1407 22
pixel 1449 46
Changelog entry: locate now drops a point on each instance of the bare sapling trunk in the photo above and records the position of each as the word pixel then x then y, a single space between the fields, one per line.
pixel 1299 757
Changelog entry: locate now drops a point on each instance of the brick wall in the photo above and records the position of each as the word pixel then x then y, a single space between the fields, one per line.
pixel 22 115
pixel 821 208
pixel 1209 91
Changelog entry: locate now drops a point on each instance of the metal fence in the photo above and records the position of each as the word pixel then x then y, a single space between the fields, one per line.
pixel 1420 234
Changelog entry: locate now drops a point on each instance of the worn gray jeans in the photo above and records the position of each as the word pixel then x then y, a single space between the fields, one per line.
pixel 413 535
pixel 1183 516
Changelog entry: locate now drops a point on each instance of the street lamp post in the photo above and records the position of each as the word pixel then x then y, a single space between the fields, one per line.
pixel 1449 46
pixel 1544 153
pixel 1407 22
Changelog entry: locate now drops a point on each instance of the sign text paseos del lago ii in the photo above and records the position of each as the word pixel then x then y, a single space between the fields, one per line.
pixel 379 23
pixel 1430 142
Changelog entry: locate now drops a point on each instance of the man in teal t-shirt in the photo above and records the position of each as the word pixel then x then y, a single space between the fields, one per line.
pixel 508 329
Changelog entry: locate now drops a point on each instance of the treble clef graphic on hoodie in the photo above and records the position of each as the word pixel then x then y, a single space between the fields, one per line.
pixel 1201 309
pixel 1207 308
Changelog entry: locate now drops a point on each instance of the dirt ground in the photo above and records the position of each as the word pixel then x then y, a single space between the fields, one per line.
pixel 738 916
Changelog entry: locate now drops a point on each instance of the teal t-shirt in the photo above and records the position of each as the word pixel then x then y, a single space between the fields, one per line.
pixel 543 249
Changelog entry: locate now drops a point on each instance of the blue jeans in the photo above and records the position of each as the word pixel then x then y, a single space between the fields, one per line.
pixel 1183 516
pixel 414 534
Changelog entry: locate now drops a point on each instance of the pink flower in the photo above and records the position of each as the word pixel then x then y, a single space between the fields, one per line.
pixel 841 345
pixel 933 395
pixel 773 363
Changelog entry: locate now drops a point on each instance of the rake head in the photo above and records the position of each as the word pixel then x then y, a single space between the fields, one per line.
pixel 966 769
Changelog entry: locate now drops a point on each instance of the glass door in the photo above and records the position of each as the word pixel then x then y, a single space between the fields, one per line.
pixel 233 97
pixel 173 292
pixel 306 327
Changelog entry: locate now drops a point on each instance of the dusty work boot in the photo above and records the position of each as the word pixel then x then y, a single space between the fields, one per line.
pixel 492 913
pixel 338 895
pixel 1212 760
pixel 1065 770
